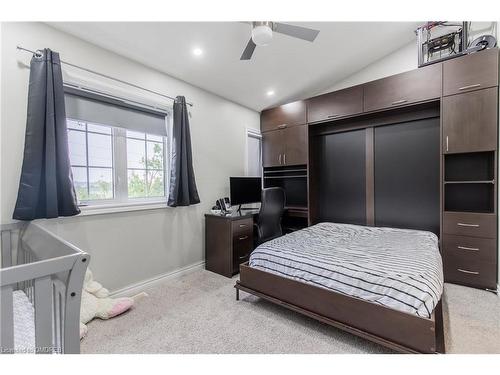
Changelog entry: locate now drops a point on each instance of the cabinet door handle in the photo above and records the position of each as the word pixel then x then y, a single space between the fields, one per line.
pixel 469 272
pixel 447 143
pixel 467 248
pixel 468 225
pixel 279 158
pixel 284 159
pixel 243 225
pixel 399 102
pixel 332 116
pixel 470 87
pixel 242 238
pixel 282 126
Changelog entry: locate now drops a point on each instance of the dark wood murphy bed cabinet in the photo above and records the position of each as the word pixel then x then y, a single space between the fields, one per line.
pixel 414 150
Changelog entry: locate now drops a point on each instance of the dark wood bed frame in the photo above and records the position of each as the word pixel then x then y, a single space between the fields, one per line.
pixel 397 330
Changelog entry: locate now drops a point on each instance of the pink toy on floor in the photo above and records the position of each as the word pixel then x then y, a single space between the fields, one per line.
pixel 96 303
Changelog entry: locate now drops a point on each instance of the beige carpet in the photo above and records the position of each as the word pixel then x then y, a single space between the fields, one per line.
pixel 198 313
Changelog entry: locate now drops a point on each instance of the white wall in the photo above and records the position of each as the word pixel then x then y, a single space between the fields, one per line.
pixel 130 247
pixel 402 60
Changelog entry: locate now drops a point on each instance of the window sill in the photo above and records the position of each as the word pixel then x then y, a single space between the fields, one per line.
pixel 103 209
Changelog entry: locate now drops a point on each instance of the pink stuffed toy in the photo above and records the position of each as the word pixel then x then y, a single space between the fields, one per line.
pixel 96 303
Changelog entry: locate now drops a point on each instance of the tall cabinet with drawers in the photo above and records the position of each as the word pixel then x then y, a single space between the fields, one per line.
pixel 334 147
pixel 469 157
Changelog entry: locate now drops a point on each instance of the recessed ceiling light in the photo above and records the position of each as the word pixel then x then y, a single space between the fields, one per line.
pixel 197 52
pixel 270 93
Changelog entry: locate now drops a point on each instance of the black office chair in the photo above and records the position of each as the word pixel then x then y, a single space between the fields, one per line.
pixel 268 224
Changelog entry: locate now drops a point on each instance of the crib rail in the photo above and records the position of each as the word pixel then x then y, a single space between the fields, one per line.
pixel 50 271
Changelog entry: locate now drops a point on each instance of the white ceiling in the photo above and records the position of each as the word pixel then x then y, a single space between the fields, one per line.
pixel 293 68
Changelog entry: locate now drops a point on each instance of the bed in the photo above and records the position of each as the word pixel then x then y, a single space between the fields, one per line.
pixel 41 280
pixel 384 284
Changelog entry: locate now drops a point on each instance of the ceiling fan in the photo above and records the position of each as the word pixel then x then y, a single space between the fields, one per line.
pixel 262 34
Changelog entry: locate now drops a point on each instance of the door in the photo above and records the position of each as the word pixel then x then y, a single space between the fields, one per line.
pixel 472 72
pixel 286 115
pixel 335 104
pixel 470 121
pixel 341 181
pixel 272 148
pixel 401 89
pixel 295 139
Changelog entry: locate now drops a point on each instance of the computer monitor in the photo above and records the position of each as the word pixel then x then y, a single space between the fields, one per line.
pixel 245 190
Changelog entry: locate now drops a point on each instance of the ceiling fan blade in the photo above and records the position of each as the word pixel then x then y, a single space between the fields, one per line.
pixel 248 52
pixel 296 31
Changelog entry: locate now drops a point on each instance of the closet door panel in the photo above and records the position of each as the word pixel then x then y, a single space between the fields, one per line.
pixel 470 121
pixel 273 147
pixel 406 163
pixel 342 181
pixel 295 145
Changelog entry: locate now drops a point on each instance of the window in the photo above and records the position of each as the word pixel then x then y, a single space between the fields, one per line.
pixel 91 156
pixel 117 154
pixel 145 169
pixel 254 155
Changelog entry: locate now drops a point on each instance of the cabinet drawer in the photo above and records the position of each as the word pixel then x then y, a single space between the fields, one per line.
pixel 466 269
pixel 335 104
pixel 285 115
pixel 243 227
pixel 401 89
pixel 470 121
pixel 470 248
pixel 470 224
pixel 471 72
pixel 242 247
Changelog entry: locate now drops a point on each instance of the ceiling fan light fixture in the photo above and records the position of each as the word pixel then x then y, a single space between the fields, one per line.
pixel 262 35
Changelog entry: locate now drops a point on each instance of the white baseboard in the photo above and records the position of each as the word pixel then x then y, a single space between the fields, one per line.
pixel 139 287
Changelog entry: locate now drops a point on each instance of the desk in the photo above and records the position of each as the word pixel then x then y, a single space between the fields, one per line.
pixel 229 239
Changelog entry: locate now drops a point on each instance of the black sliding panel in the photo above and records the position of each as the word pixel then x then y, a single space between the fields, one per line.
pixel 407 175
pixel 341 182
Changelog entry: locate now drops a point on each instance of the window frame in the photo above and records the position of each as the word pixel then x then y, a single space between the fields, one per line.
pixel 253 133
pixel 120 201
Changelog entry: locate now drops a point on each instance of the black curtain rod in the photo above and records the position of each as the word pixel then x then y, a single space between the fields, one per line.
pixel 38 53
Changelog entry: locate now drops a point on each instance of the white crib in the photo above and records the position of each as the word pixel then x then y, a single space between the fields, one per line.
pixel 41 282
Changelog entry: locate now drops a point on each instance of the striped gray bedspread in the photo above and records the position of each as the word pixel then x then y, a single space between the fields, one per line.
pixel 396 268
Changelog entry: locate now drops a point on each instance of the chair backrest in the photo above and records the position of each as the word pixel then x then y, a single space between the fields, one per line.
pixel 271 211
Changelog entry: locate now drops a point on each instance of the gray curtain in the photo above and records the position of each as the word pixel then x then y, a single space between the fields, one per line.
pixel 182 190
pixel 46 186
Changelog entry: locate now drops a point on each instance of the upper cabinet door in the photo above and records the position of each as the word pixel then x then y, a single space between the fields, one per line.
pixel 296 150
pixel 473 72
pixel 401 89
pixel 335 104
pixel 283 116
pixel 273 149
pixel 470 121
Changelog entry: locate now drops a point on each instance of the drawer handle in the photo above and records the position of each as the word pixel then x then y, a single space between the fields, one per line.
pixel 333 116
pixel 468 225
pixel 242 238
pixel 282 126
pixel 244 256
pixel 470 87
pixel 468 248
pixel 399 102
pixel 469 272
pixel 243 225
